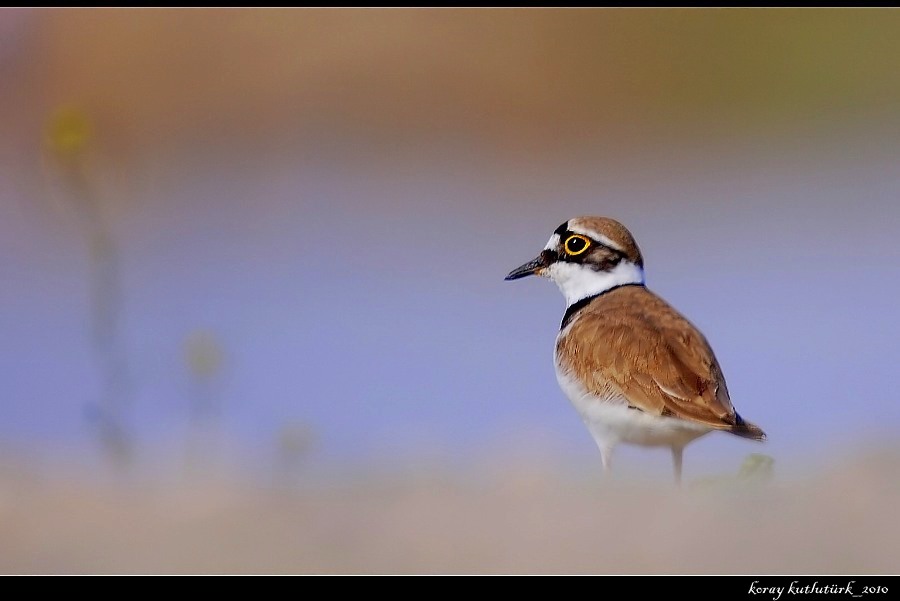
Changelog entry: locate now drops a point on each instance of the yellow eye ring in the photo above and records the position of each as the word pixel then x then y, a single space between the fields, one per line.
pixel 577 244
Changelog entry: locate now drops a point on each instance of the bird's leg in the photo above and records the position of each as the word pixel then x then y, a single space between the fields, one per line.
pixel 677 457
pixel 606 453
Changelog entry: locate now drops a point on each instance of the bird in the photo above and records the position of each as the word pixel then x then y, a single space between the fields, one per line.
pixel 635 369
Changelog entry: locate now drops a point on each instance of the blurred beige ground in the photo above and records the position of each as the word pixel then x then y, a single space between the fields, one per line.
pixel 515 520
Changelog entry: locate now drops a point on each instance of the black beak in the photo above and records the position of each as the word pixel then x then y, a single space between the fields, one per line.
pixel 544 260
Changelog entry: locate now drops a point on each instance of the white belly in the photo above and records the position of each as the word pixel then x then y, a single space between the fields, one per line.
pixel 611 422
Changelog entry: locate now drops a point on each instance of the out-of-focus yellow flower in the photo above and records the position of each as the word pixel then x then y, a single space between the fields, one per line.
pixel 68 132
pixel 204 354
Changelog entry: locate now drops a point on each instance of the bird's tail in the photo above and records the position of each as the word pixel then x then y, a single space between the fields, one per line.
pixel 745 429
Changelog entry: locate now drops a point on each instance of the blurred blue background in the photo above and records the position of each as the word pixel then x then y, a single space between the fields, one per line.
pixel 320 206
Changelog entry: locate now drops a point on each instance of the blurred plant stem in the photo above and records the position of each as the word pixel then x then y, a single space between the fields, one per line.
pixel 295 440
pixel 205 358
pixel 69 135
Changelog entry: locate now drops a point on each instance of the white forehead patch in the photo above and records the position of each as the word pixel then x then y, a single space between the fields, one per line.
pixel 596 236
pixel 553 243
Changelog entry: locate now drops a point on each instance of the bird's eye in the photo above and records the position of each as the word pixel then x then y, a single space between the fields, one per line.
pixel 576 244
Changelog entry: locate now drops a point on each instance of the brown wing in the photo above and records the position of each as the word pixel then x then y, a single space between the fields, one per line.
pixel 635 344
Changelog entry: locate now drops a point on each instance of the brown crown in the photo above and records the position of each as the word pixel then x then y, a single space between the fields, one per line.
pixel 617 233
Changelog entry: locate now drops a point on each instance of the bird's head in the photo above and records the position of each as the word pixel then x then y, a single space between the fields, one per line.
pixel 587 256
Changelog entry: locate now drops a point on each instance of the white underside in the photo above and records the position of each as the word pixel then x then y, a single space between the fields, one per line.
pixel 611 422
